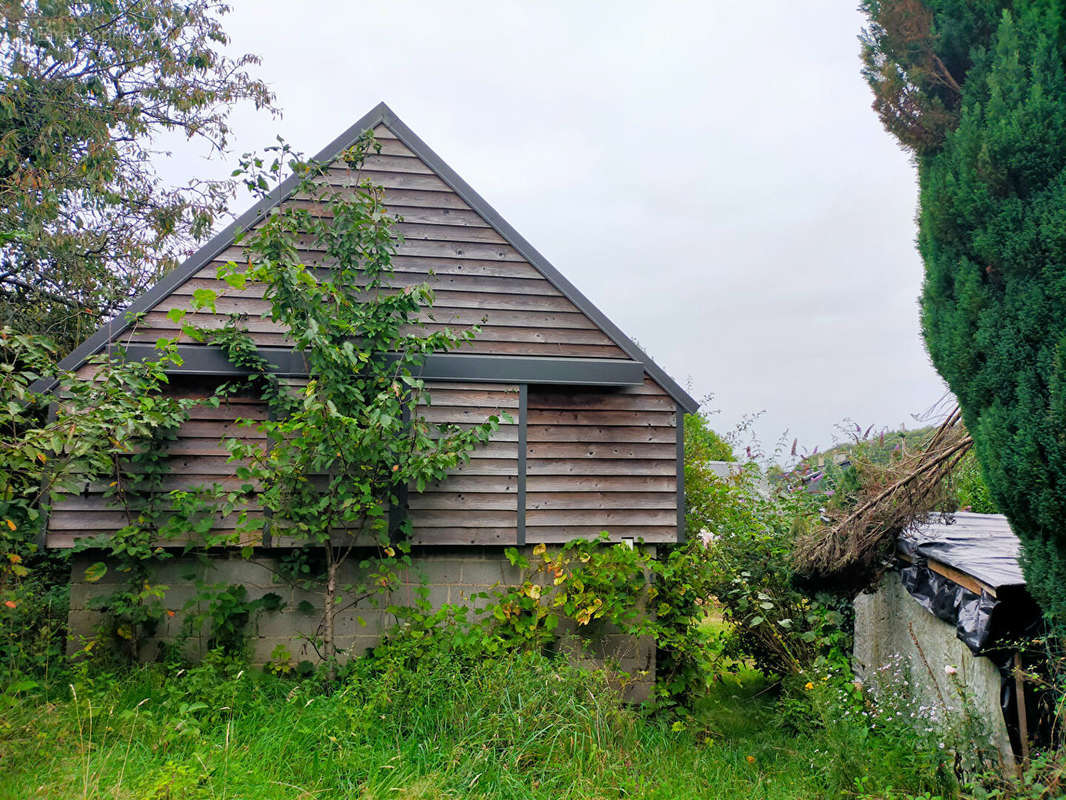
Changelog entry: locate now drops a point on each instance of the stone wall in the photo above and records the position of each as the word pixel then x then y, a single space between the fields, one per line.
pixel 452 576
pixel 894 633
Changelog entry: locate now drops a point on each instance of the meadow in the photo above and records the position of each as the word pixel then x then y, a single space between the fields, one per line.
pixel 519 726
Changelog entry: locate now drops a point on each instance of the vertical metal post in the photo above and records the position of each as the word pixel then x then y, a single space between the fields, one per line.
pixel 523 408
pixel 680 469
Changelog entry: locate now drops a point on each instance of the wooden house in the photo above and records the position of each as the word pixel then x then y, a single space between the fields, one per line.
pixel 596 441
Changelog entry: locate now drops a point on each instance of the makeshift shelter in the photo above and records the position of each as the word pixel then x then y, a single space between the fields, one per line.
pixel 595 440
pixel 954 619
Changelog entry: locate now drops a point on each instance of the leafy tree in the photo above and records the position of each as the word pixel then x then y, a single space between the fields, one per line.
pixel 992 233
pixel 702 446
pixel 343 448
pixel 85 90
pixel 106 430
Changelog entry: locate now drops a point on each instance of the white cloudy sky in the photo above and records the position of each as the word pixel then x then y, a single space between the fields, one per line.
pixel 710 174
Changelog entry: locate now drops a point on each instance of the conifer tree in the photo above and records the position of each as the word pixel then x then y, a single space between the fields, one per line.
pixel 976 90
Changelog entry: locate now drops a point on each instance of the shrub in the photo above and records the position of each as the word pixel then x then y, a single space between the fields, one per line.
pixel 751 527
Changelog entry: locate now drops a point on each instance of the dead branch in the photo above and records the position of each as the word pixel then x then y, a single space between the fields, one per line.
pixel 850 550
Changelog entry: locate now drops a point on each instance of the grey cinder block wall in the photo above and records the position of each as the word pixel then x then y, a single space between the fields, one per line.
pixel 894 633
pixel 452 576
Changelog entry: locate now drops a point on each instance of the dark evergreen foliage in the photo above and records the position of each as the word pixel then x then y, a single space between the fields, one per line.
pixel 992 233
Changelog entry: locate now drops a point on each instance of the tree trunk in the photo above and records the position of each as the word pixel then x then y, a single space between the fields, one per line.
pixel 331 612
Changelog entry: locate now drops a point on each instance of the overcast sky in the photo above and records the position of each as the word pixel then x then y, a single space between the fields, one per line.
pixel 709 174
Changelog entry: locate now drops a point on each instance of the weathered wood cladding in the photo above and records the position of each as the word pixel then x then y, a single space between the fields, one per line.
pixel 601 460
pixel 572 461
pixel 594 460
pixel 195 458
pixel 478 278
pixel 478 502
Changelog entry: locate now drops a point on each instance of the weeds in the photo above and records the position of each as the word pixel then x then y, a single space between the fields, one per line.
pixel 514 726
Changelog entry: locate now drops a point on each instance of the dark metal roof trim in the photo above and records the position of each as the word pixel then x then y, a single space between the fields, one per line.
pixel 380 114
pixel 530 253
pixel 680 475
pixel 204 360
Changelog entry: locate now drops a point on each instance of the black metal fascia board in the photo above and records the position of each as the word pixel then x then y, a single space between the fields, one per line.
pixel 533 369
pixel 380 114
pixel 206 360
pixel 523 419
pixel 530 253
pixel 680 479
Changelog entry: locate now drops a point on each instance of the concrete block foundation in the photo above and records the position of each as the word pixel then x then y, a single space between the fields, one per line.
pixel 451 576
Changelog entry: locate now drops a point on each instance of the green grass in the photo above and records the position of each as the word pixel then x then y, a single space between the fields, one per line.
pixel 523 727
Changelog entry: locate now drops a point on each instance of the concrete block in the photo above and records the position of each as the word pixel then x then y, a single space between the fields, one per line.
pixel 79 595
pixel 464 596
pixel 373 621
pixel 83 623
pixel 489 573
pixel 439 570
pixel 355 646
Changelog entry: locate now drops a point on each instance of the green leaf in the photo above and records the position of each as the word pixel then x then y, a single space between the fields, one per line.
pixel 271 601
pixel 204 298
pixel 95 572
pixel 237 280
pixel 176 315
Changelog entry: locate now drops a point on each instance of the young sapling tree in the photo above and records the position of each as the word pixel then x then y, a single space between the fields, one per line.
pixel 341 450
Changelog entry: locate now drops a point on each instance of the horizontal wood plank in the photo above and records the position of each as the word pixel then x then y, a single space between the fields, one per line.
pixel 607 518
pixel 60 520
pixel 622 484
pixel 600 433
pixel 252 295
pixel 601 450
pixel 462 501
pixel 392 163
pixel 462 519
pixel 462 317
pixel 601 501
pixel 651 534
pixel 498 484
pixel 576 398
pixel 439 232
pixel 342 177
pixel 533 335
pixel 466 536
pixel 657 419
pixel 467 415
pixel 593 467
pixel 487 466
pixel 475 395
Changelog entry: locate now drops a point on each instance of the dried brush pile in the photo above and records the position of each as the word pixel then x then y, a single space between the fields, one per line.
pixel 850 551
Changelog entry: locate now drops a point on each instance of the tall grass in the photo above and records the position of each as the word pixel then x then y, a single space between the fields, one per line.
pixel 519 727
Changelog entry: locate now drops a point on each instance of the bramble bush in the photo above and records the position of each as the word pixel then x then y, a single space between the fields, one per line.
pixel 751 526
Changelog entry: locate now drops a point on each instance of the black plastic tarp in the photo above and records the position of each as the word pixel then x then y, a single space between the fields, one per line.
pixel 995 624
pixel 979 545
